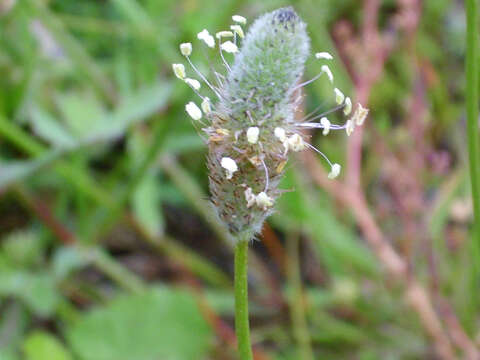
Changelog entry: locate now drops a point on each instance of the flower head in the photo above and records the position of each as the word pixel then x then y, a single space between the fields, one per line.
pixel 250 117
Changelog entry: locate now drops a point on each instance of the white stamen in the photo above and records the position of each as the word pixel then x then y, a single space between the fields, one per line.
pixel 206 107
pixel 339 97
pixel 249 197
pixel 205 36
pixel 349 127
pixel 252 134
pixel 238 30
pixel 264 201
pixel 186 49
pixel 296 143
pixel 193 110
pixel 223 34
pixel 326 125
pixel 348 106
pixel 280 134
pixel 335 171
pixel 360 114
pixel 229 47
pixel 327 71
pixel 195 84
pixel 179 71
pixel 324 55
pixel 229 165
pixel 239 19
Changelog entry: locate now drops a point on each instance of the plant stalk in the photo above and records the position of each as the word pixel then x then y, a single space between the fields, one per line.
pixel 242 328
pixel 471 65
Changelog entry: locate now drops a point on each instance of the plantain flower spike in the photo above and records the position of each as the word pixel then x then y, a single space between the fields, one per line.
pixel 250 120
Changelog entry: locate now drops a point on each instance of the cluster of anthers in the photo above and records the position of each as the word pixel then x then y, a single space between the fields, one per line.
pixel 289 136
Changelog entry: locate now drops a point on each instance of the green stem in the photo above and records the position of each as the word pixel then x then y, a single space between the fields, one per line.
pixel 471 64
pixel 241 300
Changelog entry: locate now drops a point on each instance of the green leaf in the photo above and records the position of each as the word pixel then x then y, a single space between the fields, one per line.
pixel 15 171
pixel 37 290
pixel 49 129
pixel 146 205
pixel 159 324
pixel 23 247
pixel 43 346
pixel 83 113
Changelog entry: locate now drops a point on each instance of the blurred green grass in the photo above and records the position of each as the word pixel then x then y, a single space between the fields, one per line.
pixel 95 149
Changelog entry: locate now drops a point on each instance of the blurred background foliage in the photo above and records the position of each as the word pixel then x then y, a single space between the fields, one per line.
pixel 108 247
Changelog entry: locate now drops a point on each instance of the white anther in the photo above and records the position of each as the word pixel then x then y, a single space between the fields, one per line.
pixel 264 201
pixel 349 127
pixel 229 47
pixel 348 106
pixel 239 19
pixel 238 29
pixel 250 197
pixel 179 71
pixel 195 84
pixel 324 55
pixel 206 107
pixel 280 134
pixel 335 171
pixel 193 110
pixel 252 134
pixel 223 34
pixel 296 143
pixel 186 49
pixel 326 125
pixel 205 36
pixel 327 71
pixel 339 97
pixel 229 165
pixel 360 114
